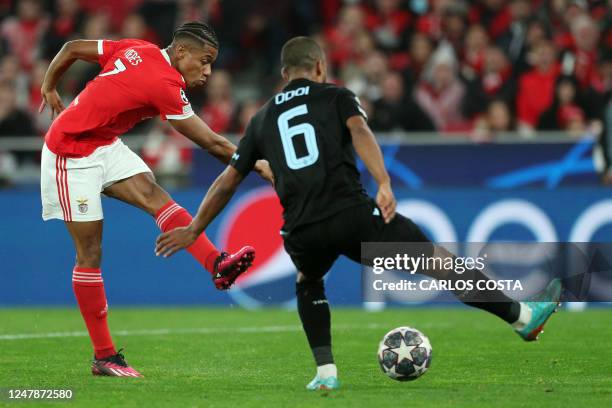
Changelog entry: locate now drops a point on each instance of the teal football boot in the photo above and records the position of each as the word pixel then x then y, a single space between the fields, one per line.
pixel 329 383
pixel 542 307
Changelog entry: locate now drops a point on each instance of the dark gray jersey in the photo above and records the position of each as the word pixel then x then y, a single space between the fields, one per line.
pixel 302 133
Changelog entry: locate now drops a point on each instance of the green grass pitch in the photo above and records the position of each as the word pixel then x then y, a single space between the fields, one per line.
pixel 227 357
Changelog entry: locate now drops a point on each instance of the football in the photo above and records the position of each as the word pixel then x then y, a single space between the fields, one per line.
pixel 404 354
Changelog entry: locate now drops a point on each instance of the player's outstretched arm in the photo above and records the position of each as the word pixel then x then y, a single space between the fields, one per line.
pixel 196 130
pixel 86 50
pixel 368 150
pixel 216 199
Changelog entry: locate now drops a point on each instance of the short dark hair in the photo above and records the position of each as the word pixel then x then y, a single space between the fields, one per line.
pixel 301 52
pixel 198 31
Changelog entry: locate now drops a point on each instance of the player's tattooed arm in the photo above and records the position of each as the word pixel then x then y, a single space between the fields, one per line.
pixel 214 202
pixel 196 130
pixel 86 50
pixel 368 150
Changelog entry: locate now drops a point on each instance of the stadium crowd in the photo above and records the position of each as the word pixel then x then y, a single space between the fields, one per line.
pixel 478 67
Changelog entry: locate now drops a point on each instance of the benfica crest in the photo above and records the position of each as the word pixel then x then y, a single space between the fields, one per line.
pixel 83 207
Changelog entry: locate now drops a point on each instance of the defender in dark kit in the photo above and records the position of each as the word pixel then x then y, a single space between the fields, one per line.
pixel 307 133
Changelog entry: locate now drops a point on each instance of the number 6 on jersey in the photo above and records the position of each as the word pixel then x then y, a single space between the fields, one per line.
pixel 287 133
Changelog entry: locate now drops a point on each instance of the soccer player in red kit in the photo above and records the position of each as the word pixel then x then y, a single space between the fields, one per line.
pixel 84 158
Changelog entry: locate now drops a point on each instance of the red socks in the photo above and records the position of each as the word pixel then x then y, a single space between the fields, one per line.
pixel 89 291
pixel 171 216
pixel 89 287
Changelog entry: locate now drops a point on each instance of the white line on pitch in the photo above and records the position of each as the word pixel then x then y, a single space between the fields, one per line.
pixel 201 330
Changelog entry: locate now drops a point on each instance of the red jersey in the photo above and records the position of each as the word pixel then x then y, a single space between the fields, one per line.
pixel 536 91
pixel 136 82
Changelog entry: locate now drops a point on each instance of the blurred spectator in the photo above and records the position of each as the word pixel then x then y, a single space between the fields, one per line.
pixel 565 13
pixel 5 7
pixel 497 119
pixel 495 83
pixel 522 39
pixel 421 48
pixel 320 39
pixel 219 108
pixel 495 15
pixel 341 37
pixel 8 168
pixel 247 110
pixel 11 73
pixel 513 40
pixel 13 121
pixel 24 32
pixel 454 25
pixel 368 79
pixel 440 92
pixel 364 48
pixel 134 26
pixel 569 110
pixel 475 45
pixel 395 111
pixel 564 112
pixel 605 73
pixel 536 87
pixel 67 20
pixel 95 27
pixel 163 15
pixel 606 27
pixel 115 10
pixel 40 122
pixel 606 81
pixel 430 23
pixel 581 59
pixel 251 33
pixel 165 150
pixel 388 22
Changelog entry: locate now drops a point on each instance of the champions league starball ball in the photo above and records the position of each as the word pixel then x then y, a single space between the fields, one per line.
pixel 404 354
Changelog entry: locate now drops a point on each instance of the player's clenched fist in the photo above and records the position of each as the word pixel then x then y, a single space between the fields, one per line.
pixel 386 202
pixel 172 241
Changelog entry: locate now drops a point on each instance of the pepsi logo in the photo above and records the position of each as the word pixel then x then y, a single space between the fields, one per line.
pixel 256 220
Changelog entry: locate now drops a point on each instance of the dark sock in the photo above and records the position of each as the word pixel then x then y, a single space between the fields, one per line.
pixel 493 301
pixel 316 319
pixel 323 355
